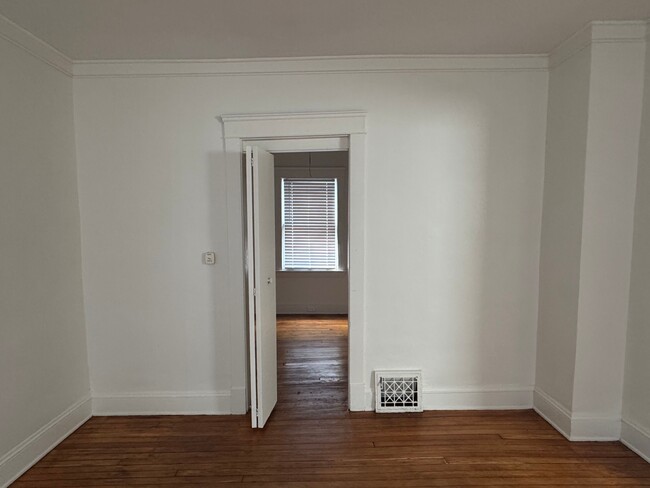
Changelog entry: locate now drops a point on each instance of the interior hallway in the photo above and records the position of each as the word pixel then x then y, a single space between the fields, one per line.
pixel 312 441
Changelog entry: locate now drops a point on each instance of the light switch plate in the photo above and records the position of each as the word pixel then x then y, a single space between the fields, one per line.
pixel 209 257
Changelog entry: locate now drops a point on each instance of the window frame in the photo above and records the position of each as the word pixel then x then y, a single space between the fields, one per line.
pixel 337 257
pixel 321 171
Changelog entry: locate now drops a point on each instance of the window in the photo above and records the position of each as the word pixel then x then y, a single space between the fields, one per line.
pixel 309 224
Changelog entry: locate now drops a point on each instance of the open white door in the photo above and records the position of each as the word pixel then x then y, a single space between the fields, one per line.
pixel 260 205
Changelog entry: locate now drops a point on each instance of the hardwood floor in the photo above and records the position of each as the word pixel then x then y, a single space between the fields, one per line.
pixel 312 441
pixel 312 367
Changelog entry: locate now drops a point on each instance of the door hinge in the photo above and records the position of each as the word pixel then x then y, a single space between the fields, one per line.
pixel 254 292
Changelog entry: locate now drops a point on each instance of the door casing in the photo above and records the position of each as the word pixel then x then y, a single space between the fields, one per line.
pixel 296 132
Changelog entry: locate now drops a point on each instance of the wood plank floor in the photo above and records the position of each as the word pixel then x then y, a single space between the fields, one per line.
pixel 312 441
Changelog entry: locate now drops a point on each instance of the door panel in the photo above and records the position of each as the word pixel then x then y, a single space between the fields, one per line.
pixel 261 283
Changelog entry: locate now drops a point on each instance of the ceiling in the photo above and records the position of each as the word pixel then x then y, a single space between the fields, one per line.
pixel 222 29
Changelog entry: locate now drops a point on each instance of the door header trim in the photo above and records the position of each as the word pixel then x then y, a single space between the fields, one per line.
pixel 293 125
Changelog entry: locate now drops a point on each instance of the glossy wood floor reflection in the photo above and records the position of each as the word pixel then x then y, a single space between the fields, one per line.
pixel 312 367
pixel 312 441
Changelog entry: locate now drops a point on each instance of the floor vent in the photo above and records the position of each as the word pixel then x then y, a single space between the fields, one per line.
pixel 398 391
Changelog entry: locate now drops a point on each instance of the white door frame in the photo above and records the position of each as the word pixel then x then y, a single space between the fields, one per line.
pixel 242 129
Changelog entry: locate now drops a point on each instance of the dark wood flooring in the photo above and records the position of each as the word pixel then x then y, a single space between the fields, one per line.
pixel 312 441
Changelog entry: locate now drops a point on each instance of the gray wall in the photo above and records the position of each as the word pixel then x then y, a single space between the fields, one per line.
pixel 313 292
pixel 453 188
pixel 594 117
pixel 564 178
pixel 636 397
pixel 44 384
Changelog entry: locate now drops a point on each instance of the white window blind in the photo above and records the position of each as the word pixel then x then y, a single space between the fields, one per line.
pixel 309 223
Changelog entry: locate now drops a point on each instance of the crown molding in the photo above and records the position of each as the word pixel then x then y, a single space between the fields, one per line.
pixel 598 32
pixel 619 31
pixel 308 65
pixel 592 33
pixel 31 44
pixel 570 47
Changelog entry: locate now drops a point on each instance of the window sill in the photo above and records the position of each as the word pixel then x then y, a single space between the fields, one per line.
pixel 307 273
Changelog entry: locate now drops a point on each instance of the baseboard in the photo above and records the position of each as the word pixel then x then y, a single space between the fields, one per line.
pixel 320 309
pixel 163 403
pixel 498 397
pixel 595 428
pixel 369 399
pixel 636 438
pixel 553 412
pixel 238 402
pixel 501 397
pixel 357 400
pixel 575 426
pixel 31 450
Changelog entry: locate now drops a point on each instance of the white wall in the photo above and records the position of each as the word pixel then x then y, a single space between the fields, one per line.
pixel 44 388
pixel 562 226
pixel 591 164
pixel 453 220
pixel 636 399
pixel 616 90
pixel 313 292
pixel 453 214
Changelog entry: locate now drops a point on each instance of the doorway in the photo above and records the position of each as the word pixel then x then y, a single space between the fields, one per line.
pixel 314 131
pixel 311 214
pixel 297 255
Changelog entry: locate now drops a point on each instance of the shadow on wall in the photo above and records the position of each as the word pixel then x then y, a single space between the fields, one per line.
pixel 457 247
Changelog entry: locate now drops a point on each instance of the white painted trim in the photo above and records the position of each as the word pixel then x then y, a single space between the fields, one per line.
pixel 498 397
pixel 310 65
pixel 22 457
pixel 636 438
pixel 357 266
pixel 239 129
pixel 369 399
pixel 309 275
pixel 598 33
pixel 238 404
pixel 619 30
pixel 570 47
pixel 361 398
pixel 251 127
pixel 237 289
pixel 163 403
pixel 38 48
pixel 318 309
pixel 593 32
pixel 588 427
pixel 553 412
pixel 304 145
pixel 576 426
pixel 250 252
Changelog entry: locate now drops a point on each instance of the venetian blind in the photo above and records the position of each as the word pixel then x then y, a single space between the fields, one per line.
pixel 309 223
